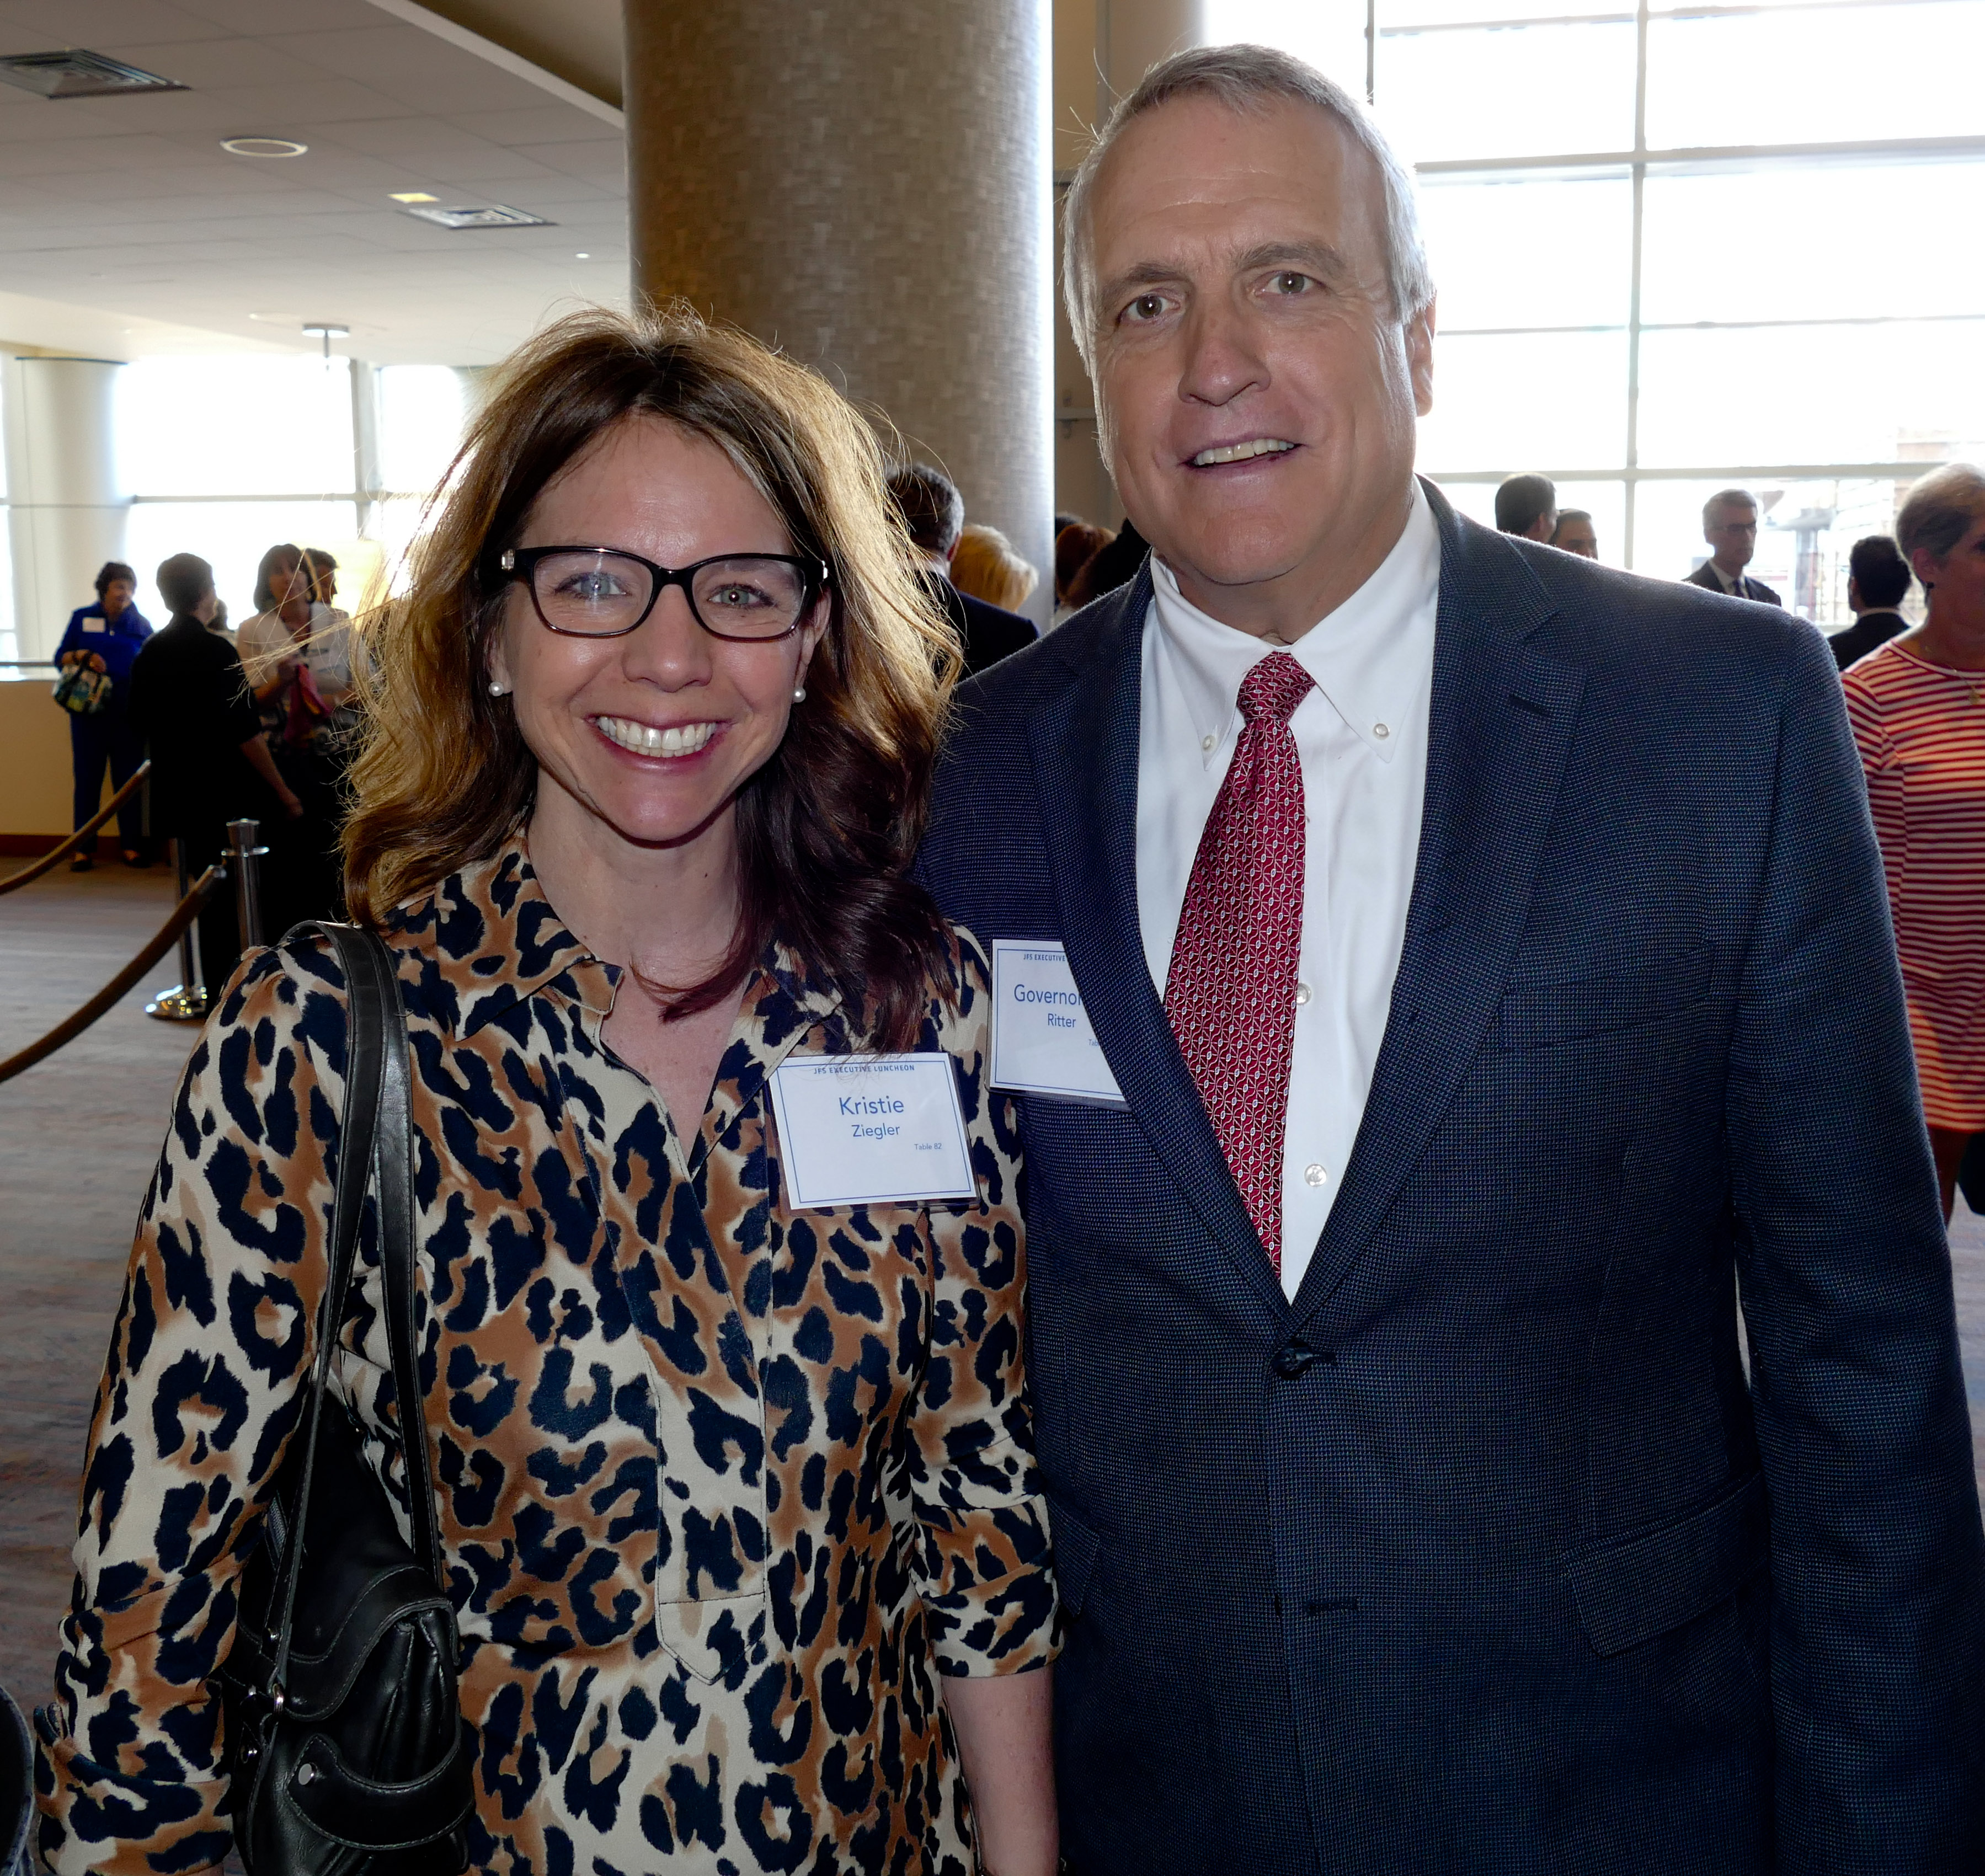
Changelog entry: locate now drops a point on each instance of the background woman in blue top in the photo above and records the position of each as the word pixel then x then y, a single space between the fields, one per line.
pixel 108 634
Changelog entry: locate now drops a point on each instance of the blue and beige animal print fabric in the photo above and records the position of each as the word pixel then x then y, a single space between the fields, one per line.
pixel 726 1488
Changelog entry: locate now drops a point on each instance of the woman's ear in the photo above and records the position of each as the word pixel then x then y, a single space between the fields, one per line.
pixel 496 665
pixel 810 634
pixel 1926 566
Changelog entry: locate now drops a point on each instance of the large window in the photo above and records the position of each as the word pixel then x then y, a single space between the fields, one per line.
pixel 1688 246
pixel 224 456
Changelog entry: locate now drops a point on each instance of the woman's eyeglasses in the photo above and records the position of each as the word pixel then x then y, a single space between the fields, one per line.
pixel 600 593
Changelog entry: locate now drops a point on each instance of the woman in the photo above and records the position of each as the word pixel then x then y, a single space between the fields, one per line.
pixel 736 1495
pixel 297 651
pixel 106 636
pixel 986 567
pixel 1075 546
pixel 1918 707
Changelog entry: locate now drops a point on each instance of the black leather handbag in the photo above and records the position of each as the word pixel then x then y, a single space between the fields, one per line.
pixel 348 1753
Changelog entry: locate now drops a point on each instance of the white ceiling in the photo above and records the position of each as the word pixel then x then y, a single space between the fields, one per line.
pixel 122 218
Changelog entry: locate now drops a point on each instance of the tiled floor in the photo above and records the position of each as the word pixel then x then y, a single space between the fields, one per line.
pixel 78 1136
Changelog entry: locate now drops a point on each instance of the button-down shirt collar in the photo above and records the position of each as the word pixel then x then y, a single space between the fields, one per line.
pixel 1366 667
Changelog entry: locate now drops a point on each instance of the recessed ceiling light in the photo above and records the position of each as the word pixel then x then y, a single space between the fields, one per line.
pixel 582 256
pixel 262 146
pixel 496 216
pixel 77 73
pixel 416 195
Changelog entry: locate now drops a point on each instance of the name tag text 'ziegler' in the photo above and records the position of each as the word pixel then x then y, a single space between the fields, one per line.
pixel 871 1130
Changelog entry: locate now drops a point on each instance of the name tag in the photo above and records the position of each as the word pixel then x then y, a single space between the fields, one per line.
pixel 95 625
pixel 1042 1040
pixel 871 1130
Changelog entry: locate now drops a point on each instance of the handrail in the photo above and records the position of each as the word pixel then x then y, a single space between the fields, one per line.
pixel 161 941
pixel 28 874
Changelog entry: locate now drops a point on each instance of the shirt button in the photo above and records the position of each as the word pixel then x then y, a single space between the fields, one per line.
pixel 1302 995
pixel 1313 1175
pixel 1207 742
pixel 1380 731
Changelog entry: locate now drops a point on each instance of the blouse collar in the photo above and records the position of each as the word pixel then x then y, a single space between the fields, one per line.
pixel 489 937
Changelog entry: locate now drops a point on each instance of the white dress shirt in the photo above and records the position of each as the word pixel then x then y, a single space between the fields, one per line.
pixel 1362 738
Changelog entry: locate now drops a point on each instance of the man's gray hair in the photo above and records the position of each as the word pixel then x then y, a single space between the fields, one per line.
pixel 1730 498
pixel 1938 512
pixel 1244 79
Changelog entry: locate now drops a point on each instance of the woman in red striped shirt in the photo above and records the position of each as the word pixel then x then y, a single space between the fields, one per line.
pixel 1918 707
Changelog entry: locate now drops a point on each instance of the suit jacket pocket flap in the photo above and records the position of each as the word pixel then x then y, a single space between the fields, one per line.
pixel 1535 1013
pixel 1629 1591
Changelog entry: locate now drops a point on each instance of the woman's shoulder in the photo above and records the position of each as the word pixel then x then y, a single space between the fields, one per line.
pixel 1896 678
pixel 961 988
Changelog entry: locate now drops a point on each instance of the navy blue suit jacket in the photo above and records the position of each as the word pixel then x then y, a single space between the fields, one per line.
pixel 1481 1555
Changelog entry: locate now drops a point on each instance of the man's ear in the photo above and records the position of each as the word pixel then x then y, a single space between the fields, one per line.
pixel 1419 358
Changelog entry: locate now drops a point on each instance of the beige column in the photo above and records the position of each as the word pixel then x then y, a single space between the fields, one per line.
pixel 866 185
pixel 1102 49
pixel 66 514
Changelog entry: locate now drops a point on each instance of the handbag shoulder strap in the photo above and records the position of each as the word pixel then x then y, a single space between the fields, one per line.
pixel 375 1136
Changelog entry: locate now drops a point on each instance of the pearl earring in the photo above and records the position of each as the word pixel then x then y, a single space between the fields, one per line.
pixel 799 693
pixel 495 689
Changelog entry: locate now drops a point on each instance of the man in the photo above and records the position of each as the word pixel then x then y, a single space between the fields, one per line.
pixel 1526 506
pixel 1473 999
pixel 1575 534
pixel 934 512
pixel 1729 526
pixel 209 762
pixel 1878 581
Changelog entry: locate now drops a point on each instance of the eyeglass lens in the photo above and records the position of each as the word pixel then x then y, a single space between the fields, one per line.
pixel 746 596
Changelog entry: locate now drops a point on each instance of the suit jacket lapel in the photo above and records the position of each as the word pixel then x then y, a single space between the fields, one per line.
pixel 1503 716
pixel 1085 750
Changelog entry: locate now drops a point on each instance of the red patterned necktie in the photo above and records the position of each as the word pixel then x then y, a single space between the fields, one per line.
pixel 1230 995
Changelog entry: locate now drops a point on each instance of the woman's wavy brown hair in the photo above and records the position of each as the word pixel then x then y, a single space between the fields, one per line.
pixel 828 828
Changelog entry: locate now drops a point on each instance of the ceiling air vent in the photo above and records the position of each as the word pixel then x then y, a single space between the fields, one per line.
pixel 74 74
pixel 494 217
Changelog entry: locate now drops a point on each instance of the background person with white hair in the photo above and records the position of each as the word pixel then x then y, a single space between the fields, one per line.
pixel 1918 707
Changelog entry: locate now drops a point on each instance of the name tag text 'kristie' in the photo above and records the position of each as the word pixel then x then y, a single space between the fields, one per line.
pixel 870 1130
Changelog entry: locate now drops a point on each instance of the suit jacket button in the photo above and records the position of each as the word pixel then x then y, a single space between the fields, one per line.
pixel 1295 1359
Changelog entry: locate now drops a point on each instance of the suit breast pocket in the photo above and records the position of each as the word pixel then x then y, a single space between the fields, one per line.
pixel 1565 1009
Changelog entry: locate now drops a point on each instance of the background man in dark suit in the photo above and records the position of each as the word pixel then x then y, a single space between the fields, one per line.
pixel 1729 526
pixel 934 512
pixel 1474 997
pixel 1878 582
pixel 190 704
pixel 1527 505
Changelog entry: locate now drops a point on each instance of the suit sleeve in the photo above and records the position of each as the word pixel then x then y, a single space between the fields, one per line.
pixel 1878 1563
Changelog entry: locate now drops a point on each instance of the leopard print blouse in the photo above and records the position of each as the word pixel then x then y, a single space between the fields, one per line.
pixel 724 1485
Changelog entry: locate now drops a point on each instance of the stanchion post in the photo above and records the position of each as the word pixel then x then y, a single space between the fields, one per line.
pixel 242 857
pixel 186 1000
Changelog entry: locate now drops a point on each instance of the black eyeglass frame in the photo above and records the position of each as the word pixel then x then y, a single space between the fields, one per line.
pixel 521 563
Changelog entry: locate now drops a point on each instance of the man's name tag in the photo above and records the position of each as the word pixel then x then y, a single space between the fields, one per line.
pixel 871 1130
pixel 95 625
pixel 1042 1040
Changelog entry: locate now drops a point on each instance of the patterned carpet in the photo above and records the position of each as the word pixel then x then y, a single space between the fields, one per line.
pixel 78 1136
